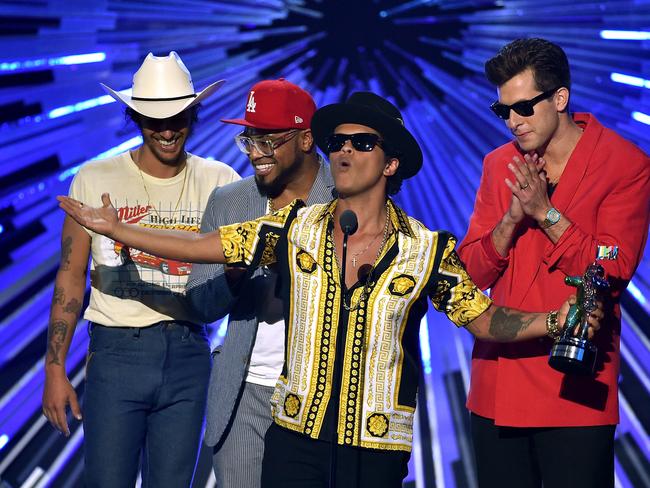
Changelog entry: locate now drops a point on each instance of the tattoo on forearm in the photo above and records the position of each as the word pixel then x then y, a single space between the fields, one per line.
pixel 56 335
pixel 66 249
pixel 506 324
pixel 59 295
pixel 73 306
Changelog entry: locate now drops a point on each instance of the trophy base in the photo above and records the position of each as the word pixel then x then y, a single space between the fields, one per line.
pixel 572 355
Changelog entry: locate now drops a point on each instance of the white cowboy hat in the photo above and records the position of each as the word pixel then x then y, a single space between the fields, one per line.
pixel 162 88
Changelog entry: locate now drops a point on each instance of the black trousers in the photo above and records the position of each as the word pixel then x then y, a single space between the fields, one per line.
pixel 293 460
pixel 558 457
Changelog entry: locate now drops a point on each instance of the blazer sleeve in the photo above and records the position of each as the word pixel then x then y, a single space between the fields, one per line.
pixel 622 221
pixel 207 290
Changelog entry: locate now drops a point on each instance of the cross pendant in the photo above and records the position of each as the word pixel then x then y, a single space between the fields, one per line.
pixel 354 262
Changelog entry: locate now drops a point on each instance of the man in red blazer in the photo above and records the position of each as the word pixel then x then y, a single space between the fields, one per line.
pixel 564 192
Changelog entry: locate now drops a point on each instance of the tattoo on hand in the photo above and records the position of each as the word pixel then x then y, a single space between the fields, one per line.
pixel 66 249
pixel 506 324
pixel 56 335
pixel 59 295
pixel 73 307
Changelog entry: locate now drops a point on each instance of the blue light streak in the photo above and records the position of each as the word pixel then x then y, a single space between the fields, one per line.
pixel 425 348
pixel 73 59
pixel 126 145
pixel 79 106
pixel 630 80
pixel 636 293
pixel 79 59
pixel 641 117
pixel 622 35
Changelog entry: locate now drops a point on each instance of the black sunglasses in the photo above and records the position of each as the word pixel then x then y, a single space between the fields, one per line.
pixel 361 141
pixel 176 123
pixel 525 108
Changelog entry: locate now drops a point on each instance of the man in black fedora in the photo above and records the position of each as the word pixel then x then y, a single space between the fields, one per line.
pixel 352 358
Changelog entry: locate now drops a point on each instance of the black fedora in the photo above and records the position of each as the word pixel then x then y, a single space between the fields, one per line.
pixel 366 108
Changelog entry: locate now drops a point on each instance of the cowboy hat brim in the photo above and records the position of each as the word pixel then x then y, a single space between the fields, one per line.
pixel 161 109
pixel 326 119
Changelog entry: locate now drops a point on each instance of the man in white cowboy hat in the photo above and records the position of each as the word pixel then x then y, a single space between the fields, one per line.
pixel 351 365
pixel 149 357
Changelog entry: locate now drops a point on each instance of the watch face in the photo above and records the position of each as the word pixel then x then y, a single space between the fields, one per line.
pixel 553 215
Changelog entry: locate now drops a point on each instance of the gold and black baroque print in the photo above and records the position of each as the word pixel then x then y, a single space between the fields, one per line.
pixel 305 262
pixel 240 241
pixel 268 254
pixel 455 293
pixel 292 405
pixel 378 382
pixel 328 328
pixel 377 425
pixel 401 285
pixel 353 369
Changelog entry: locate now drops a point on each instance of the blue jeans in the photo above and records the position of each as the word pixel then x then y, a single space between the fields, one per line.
pixel 145 395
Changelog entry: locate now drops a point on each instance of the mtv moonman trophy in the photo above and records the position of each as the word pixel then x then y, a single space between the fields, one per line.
pixel 573 353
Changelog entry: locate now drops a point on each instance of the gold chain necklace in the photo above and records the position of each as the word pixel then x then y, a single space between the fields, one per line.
pixel 358 253
pixel 178 202
pixel 366 285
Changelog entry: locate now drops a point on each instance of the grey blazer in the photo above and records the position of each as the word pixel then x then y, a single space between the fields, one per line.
pixel 210 296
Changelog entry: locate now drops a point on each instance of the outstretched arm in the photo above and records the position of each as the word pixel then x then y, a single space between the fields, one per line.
pixel 503 324
pixel 182 246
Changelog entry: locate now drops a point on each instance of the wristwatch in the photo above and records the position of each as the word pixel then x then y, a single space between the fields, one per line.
pixel 552 217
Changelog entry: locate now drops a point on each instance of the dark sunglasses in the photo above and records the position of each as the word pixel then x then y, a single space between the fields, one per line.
pixel 525 108
pixel 361 141
pixel 175 123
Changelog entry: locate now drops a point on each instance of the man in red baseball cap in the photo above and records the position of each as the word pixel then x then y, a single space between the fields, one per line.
pixel 280 146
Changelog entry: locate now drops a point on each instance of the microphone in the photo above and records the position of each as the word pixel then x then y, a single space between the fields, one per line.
pixel 349 223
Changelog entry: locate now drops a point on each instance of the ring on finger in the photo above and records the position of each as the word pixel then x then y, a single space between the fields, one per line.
pixel 523 187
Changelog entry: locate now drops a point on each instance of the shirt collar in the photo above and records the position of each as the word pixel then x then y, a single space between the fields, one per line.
pixel 398 217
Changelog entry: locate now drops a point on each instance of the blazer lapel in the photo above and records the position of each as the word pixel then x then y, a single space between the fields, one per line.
pixel 576 166
pixel 538 243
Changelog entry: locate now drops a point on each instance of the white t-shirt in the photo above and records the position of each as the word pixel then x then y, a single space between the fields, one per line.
pixel 267 357
pixel 129 287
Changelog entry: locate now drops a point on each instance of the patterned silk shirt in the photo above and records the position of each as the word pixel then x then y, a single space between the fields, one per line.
pixel 380 361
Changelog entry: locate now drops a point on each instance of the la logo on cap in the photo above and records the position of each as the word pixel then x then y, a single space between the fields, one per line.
pixel 250 106
pixel 282 106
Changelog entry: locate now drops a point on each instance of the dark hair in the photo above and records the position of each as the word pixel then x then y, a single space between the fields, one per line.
pixel 394 184
pixel 136 117
pixel 546 60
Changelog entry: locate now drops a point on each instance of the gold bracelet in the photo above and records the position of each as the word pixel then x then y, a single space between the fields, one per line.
pixel 552 329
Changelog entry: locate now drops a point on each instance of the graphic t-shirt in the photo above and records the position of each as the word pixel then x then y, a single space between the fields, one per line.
pixel 130 287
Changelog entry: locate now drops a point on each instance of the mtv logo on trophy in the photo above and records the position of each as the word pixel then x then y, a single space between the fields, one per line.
pixel 573 352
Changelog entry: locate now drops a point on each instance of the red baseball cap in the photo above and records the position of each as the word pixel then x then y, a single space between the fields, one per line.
pixel 277 104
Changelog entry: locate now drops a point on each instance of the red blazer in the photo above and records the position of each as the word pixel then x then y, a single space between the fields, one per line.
pixel 605 192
